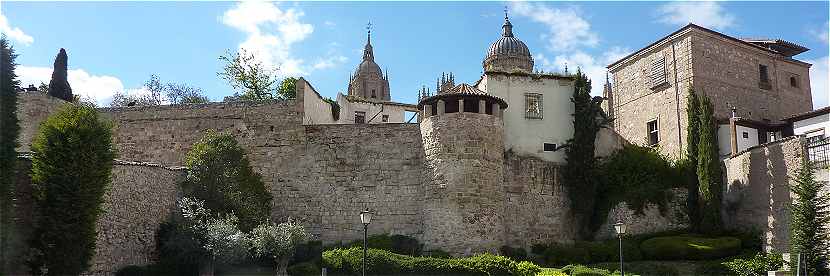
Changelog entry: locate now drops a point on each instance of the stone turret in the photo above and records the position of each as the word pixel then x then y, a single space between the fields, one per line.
pixel 462 134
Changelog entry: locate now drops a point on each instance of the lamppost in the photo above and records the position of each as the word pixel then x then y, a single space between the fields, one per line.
pixel 619 227
pixel 365 218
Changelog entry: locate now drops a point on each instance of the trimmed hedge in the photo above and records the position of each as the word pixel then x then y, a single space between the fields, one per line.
pixel 690 248
pixel 381 261
pixel 585 252
pixel 580 270
pixel 758 264
pixel 399 244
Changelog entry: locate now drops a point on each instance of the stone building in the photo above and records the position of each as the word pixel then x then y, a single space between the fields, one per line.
pixel 758 79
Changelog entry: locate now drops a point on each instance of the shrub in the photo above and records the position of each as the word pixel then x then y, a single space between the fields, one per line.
pixel 399 244
pixel 71 167
pixel 550 272
pixel 381 261
pixel 276 241
pixel 690 248
pixel 304 269
pixel 758 264
pixel 221 175
pixel 515 253
pixel 584 252
pixel 308 252
pixel 579 270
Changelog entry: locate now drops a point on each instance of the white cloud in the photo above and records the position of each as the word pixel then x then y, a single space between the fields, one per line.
pixel 822 34
pixel 592 67
pixel 97 87
pixel 708 14
pixel 818 81
pixel 14 33
pixel 566 28
pixel 329 62
pixel 271 32
pixel 329 23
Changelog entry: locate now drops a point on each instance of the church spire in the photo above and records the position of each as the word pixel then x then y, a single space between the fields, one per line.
pixel 368 54
pixel 507 28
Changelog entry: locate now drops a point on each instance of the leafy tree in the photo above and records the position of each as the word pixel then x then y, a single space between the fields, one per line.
pixel 249 76
pixel 59 85
pixel 159 93
pixel 69 193
pixel 810 217
pixel 692 141
pixel 221 175
pixel 179 93
pixel 581 168
pixel 9 129
pixel 708 170
pixel 276 242
pixel 287 88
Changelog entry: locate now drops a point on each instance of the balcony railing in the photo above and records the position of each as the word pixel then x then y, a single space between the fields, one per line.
pixel 818 151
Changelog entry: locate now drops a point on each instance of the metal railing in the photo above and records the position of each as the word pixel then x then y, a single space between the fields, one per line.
pixel 818 151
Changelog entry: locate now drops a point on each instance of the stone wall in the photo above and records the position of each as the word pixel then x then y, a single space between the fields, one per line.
pixel 139 198
pixel 33 108
pixel 757 190
pixel 651 220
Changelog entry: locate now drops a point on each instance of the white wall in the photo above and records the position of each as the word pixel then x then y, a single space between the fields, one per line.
pixel 820 123
pixel 315 110
pixel 725 138
pixel 526 136
pixel 348 109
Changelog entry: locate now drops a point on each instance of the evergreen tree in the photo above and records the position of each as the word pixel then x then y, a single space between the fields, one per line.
pixel 9 129
pixel 708 170
pixel 71 166
pixel 810 217
pixel 581 167
pixel 221 175
pixel 692 142
pixel 59 85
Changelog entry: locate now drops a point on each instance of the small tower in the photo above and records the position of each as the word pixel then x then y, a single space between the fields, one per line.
pixel 462 134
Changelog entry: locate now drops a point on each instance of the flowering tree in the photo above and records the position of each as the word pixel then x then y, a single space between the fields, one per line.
pixel 276 241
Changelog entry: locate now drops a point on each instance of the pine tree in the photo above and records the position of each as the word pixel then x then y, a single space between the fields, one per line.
pixel 810 216
pixel 9 129
pixel 692 141
pixel 59 85
pixel 708 170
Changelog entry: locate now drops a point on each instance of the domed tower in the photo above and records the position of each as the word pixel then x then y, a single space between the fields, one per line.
pixel 368 81
pixel 462 134
pixel 508 53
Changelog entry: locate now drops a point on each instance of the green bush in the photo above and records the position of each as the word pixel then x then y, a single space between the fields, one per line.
pixel 642 268
pixel 690 248
pixel 758 264
pixel 580 270
pixel 551 272
pixel 515 253
pixel 399 244
pixel 586 252
pixel 71 167
pixel 304 269
pixel 380 261
pixel 308 252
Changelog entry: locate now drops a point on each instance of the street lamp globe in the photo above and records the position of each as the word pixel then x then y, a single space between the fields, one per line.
pixel 366 217
pixel 619 227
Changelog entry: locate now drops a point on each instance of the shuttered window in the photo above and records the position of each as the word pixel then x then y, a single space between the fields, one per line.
pixel 657 75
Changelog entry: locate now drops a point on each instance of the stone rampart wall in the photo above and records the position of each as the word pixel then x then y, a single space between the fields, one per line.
pixel 32 109
pixel 757 190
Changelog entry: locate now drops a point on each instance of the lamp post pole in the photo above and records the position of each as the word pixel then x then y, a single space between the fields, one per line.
pixel 619 227
pixel 365 218
pixel 365 229
pixel 622 271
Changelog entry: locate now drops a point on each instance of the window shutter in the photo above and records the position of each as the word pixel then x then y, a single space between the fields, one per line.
pixel 658 72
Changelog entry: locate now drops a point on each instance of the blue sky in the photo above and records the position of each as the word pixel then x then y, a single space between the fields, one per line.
pixel 115 46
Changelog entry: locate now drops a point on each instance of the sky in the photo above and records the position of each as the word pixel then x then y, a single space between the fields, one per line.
pixel 116 46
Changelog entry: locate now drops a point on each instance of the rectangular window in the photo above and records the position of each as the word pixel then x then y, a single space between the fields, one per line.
pixel 794 81
pixel 533 106
pixel 653 133
pixel 385 118
pixel 657 76
pixel 745 135
pixel 763 76
pixel 359 117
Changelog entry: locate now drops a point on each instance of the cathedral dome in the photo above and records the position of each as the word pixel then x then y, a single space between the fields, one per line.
pixel 367 68
pixel 508 53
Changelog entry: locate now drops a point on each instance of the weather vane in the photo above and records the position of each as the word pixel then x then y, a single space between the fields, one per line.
pixel 505 12
pixel 369 27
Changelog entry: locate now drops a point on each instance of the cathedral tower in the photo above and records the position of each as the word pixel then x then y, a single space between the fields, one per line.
pixel 368 81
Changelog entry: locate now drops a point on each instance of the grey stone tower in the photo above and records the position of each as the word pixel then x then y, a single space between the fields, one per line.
pixel 368 81
pixel 463 140
pixel 508 53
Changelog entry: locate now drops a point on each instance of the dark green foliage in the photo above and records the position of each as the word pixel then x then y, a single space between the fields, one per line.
pixel 642 268
pixel 758 264
pixel 154 270
pixel 692 142
pixel 810 212
pixel 71 165
pixel 514 253
pixel 59 85
pixel 637 175
pixel 221 175
pixel 708 171
pixel 580 270
pixel 581 168
pixel 335 108
pixel 437 253
pixel 304 269
pixel 179 248
pixel 690 248
pixel 308 252
pixel 385 262
pixel 586 252
pixel 399 244
pixel 9 129
pixel 287 89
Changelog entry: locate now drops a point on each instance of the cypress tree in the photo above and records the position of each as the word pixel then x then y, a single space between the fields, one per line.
pixel 69 194
pixel 59 85
pixel 708 170
pixel 9 129
pixel 810 214
pixel 692 141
